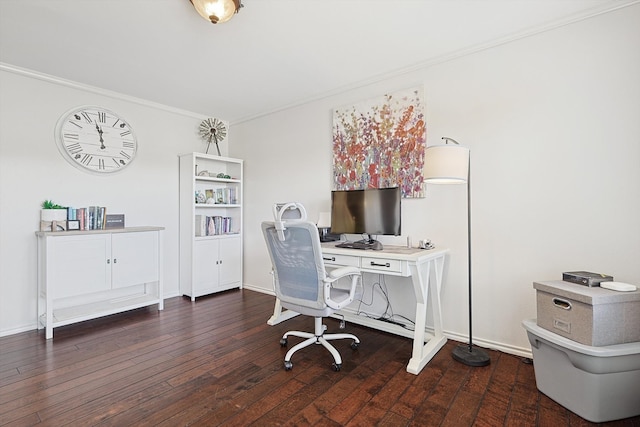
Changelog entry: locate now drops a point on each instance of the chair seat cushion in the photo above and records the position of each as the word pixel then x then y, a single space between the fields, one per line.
pixel 339 296
pixel 307 311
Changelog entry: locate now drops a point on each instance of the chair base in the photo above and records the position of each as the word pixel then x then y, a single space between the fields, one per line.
pixel 318 337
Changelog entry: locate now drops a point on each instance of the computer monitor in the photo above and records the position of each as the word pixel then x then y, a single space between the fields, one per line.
pixel 374 211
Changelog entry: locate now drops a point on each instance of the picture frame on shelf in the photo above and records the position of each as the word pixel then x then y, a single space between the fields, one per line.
pixel 200 197
pixel 114 221
pixel 73 224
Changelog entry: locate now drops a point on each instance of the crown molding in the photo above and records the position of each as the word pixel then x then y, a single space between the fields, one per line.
pixel 96 90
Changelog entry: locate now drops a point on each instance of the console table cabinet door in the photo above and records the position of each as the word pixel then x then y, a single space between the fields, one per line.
pixel 134 259
pixel 80 265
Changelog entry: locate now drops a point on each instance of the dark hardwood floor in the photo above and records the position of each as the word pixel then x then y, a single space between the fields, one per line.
pixel 216 362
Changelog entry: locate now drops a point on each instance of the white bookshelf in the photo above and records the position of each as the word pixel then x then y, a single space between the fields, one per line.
pixel 210 258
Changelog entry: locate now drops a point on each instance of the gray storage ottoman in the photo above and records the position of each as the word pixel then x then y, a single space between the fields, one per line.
pixel 592 316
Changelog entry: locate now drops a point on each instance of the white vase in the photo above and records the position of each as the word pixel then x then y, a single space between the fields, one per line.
pixel 53 215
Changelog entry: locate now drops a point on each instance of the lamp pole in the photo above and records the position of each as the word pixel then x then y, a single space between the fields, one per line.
pixel 469 355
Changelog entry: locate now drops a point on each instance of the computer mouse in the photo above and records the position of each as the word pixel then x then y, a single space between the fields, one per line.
pixel 376 246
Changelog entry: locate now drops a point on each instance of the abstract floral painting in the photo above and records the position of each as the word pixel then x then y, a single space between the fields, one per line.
pixel 380 143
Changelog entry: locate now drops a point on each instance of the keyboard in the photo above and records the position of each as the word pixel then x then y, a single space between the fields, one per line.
pixel 354 245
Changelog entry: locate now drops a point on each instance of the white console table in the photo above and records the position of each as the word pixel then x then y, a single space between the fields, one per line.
pixel 83 275
pixel 424 267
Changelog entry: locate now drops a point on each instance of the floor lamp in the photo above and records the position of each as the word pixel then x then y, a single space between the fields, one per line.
pixel 451 164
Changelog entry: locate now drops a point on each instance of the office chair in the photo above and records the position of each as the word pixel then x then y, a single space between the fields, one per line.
pixel 301 282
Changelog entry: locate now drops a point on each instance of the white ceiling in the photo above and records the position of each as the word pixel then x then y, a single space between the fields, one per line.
pixel 273 54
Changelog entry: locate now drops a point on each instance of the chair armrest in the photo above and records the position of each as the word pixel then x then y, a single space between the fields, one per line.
pixel 333 276
pixel 340 272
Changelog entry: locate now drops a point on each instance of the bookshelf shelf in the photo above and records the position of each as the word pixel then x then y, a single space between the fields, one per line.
pixel 218 236
pixel 216 205
pixel 210 233
pixel 212 179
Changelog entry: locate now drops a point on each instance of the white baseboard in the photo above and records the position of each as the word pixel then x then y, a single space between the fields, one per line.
pixel 171 295
pixel 259 289
pixel 18 330
pixel 493 345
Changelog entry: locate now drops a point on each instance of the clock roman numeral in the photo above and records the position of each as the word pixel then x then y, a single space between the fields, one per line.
pixel 127 144
pixel 86 159
pixel 115 123
pixel 102 116
pixel 86 117
pixel 73 136
pixel 123 154
pixel 101 164
pixel 116 162
pixel 125 133
pixel 75 124
pixel 74 148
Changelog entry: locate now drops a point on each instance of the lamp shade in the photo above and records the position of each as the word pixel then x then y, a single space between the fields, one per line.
pixel 446 164
pixel 217 11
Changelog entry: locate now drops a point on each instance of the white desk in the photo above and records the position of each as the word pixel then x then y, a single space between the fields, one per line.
pixel 425 269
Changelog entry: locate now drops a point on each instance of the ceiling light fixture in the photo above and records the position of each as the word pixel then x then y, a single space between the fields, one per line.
pixel 217 11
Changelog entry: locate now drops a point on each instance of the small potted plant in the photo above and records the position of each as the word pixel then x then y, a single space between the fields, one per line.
pixel 53 212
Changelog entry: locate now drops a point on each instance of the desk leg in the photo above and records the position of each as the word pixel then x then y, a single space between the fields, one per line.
pixel 423 284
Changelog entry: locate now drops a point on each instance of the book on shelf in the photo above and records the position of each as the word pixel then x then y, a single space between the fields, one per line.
pixel 201 225
pixel 213 225
pixel 226 196
pixel 90 218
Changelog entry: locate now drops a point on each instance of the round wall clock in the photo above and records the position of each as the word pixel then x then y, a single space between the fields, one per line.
pixel 95 139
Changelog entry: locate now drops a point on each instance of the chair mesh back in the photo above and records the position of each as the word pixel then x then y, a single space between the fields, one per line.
pixel 297 263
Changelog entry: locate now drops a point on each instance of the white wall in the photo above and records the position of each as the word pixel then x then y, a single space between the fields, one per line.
pixel 32 170
pixel 553 123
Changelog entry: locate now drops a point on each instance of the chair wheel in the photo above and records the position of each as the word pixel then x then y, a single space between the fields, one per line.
pixel 283 342
pixel 355 345
pixel 336 366
pixel 288 365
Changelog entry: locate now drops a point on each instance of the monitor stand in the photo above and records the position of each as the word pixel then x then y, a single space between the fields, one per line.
pixel 369 240
pixel 371 243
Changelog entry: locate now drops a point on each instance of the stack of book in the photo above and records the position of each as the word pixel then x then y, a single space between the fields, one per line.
pixel 213 225
pixel 90 218
pixel 226 196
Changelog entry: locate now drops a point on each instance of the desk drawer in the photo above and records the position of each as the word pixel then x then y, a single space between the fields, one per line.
pixel 382 265
pixel 341 260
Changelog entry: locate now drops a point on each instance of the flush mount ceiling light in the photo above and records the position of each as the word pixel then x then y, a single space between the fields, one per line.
pixel 217 11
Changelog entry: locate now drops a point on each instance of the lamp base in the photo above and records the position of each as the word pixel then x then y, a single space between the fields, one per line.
pixel 470 356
